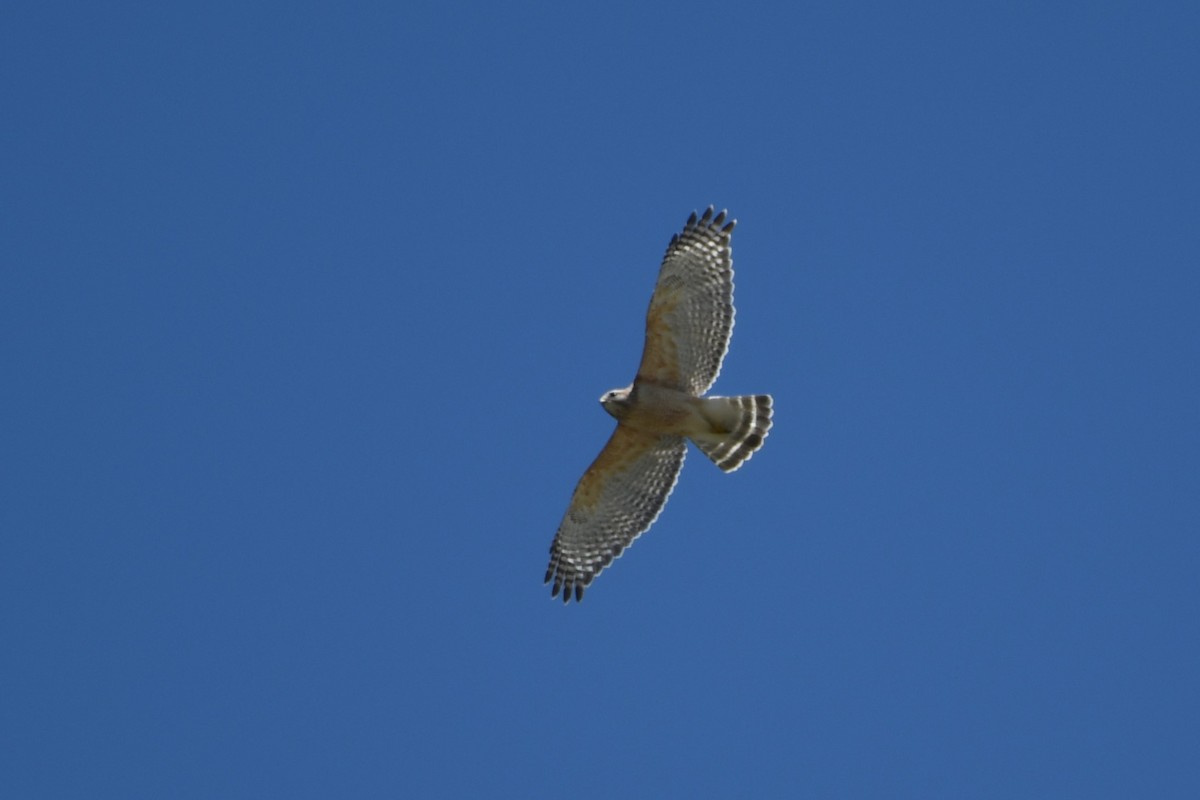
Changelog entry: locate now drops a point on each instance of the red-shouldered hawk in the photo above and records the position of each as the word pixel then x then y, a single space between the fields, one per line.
pixel 687 333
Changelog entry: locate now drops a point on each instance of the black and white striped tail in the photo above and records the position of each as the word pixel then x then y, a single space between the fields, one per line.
pixel 752 420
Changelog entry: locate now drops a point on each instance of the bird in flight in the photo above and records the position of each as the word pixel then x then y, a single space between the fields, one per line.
pixel 687 334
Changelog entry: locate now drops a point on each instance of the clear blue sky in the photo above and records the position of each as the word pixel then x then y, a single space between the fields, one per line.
pixel 305 310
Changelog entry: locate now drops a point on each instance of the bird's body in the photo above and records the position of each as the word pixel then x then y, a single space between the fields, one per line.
pixel 658 409
pixel 688 327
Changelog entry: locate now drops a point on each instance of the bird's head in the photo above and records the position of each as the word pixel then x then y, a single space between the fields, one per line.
pixel 617 401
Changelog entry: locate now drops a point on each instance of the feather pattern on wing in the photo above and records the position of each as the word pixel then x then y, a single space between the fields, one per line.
pixel 618 498
pixel 690 318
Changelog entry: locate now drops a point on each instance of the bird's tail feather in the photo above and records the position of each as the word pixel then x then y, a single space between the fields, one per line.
pixel 740 425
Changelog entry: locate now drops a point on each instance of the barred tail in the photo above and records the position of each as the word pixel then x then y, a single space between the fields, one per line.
pixel 740 425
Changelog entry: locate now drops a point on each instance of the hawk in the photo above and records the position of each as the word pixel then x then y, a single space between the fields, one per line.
pixel 687 333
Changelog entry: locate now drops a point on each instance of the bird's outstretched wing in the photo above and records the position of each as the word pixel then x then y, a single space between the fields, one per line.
pixel 617 499
pixel 691 313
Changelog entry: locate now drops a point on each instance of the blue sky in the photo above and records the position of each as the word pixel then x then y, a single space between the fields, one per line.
pixel 305 310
